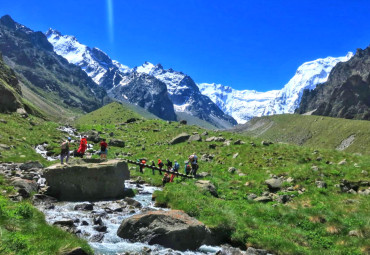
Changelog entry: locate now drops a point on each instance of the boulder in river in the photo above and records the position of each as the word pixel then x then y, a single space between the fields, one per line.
pixel 87 181
pixel 24 187
pixel 173 229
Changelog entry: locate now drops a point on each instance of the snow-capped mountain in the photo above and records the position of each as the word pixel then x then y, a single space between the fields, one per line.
pixel 92 60
pixel 185 94
pixel 307 76
pixel 246 104
pixel 113 76
pixel 241 104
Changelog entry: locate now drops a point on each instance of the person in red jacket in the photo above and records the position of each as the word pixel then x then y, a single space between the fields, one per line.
pixel 103 149
pixel 83 146
pixel 160 165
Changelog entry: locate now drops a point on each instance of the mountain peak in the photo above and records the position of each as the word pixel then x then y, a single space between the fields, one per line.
pixel 52 31
pixel 8 21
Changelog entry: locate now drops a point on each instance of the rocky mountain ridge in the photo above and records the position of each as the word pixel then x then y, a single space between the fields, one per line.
pixel 346 94
pixel 45 73
pixel 113 76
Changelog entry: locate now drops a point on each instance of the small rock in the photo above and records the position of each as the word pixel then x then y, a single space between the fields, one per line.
pixel 84 223
pixel 290 180
pixel 253 251
pixel 204 133
pixel 239 142
pixel 100 228
pixel 321 184
pixel 4 147
pixel 364 172
pixel 212 146
pixel 283 199
pixel 356 233
pixel 263 199
pixel 265 143
pixel 98 221
pixel 132 202
pixel 235 155
pixel 97 238
pixel 66 223
pixel 231 170
pixel 318 158
pixel 76 251
pixel 315 168
pixel 365 192
pixel 252 196
pixel 183 122
pixel 203 174
pixel 343 162
pixel 84 207
pixel 3 121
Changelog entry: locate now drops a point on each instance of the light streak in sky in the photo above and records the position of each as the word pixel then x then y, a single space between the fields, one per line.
pixel 110 20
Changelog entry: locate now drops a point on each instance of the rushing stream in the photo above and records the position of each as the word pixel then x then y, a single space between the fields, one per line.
pixel 111 243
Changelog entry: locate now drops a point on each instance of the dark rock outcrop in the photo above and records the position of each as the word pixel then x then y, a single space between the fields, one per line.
pixel 10 91
pixel 39 68
pixel 87 182
pixel 172 229
pixel 346 94
pixel 145 91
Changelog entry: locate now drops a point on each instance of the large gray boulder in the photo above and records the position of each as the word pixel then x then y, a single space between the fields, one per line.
pixel 195 137
pixel 173 229
pixel 207 186
pixel 25 187
pixel 87 181
pixel 183 137
pixel 117 143
pixel 274 183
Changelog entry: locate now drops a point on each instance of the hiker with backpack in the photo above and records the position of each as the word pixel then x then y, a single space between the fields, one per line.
pixel 153 165
pixel 193 159
pixel 160 165
pixel 169 164
pixel 103 149
pixel 176 167
pixel 142 165
pixel 65 150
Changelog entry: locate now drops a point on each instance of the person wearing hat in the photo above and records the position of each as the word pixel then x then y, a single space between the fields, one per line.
pixel 65 150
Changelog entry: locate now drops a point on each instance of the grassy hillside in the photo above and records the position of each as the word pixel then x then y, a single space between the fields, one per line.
pixel 316 220
pixel 311 131
pixel 114 113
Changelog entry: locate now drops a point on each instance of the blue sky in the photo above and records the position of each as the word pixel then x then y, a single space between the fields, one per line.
pixel 244 44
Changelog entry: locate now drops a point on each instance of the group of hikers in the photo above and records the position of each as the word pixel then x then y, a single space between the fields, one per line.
pixel 191 167
pixel 80 152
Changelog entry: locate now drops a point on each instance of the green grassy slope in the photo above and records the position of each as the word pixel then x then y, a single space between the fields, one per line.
pixel 114 113
pixel 24 229
pixel 315 221
pixel 311 131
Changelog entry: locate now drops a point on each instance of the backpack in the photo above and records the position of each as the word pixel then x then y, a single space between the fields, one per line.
pixel 63 146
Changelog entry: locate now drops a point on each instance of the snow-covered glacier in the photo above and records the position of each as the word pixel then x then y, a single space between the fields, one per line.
pixel 246 104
